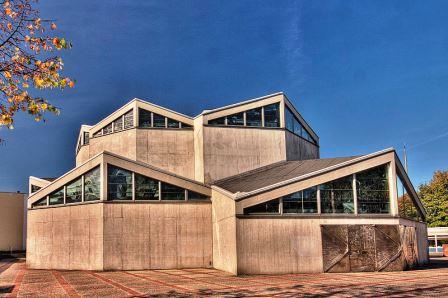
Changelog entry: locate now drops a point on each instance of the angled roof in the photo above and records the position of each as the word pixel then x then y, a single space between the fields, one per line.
pixel 276 173
pixel 205 112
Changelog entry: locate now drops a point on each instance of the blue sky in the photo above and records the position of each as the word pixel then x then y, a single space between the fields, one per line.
pixel 366 75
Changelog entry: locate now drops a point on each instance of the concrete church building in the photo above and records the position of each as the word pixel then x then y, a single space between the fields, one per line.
pixel 240 188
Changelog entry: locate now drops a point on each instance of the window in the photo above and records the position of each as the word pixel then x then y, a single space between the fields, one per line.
pixel 406 206
pixel 253 117
pixel 74 192
pixel 196 196
pixel 293 125
pixel 86 138
pixel 235 119
pixel 337 196
pixel 158 120
pixel 56 197
pixel 270 207
pixel 272 115
pixel 98 133
pixel 35 188
pixel 107 129
pixel 40 203
pixel 172 192
pixel 310 200
pixel 218 121
pixel 118 124
pixel 298 129
pixel 373 190
pixel 173 123
pixel 92 185
pixel 144 118
pixel 146 188
pixel 289 120
pixel 129 119
pixel 301 202
pixel 292 203
pixel 186 125
pixel 119 184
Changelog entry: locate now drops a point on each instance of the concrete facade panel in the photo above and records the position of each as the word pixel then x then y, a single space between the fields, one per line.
pixel 157 236
pixel 61 238
pixel 229 151
pixel 294 245
pixel 11 221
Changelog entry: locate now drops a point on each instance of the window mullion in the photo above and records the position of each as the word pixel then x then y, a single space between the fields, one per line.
pixel 355 194
pixel 319 211
pixel 160 190
pixel 133 186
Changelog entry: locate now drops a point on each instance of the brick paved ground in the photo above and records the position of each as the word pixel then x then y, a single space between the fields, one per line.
pixel 17 281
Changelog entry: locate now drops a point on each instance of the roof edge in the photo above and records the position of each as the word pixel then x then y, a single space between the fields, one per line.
pixel 242 195
pixel 206 112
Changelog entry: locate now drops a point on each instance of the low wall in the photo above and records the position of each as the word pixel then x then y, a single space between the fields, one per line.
pixel 11 221
pixel 120 236
pixel 280 245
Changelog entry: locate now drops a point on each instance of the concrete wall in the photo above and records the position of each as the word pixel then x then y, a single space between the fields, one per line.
pixel 421 230
pixel 229 151
pixel 224 233
pixel 157 236
pixel 121 236
pixel 11 221
pixel 171 150
pixel 66 238
pixel 292 245
pixel 299 149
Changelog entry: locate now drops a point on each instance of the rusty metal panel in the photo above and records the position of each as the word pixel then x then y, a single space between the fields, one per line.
pixel 409 244
pixel 361 244
pixel 389 255
pixel 364 248
pixel 335 248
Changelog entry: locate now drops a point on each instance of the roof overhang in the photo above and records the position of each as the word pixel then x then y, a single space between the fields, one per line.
pixel 103 159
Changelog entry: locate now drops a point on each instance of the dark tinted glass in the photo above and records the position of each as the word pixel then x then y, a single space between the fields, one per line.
pixel 272 115
pixel 74 192
pixel 217 121
pixel 56 197
pixel 270 207
pixel 292 203
pixel 253 117
pixel 310 200
pixel 186 125
pixel 119 184
pixel 158 120
pixel 107 129
pixel 337 196
pixel 373 190
pixel 196 196
pixel 173 123
pixel 92 185
pixel 172 192
pixel 146 188
pixel 289 120
pixel 86 138
pixel 144 118
pixel 129 119
pixel 35 188
pixel 41 202
pixel 235 119
pixel 118 124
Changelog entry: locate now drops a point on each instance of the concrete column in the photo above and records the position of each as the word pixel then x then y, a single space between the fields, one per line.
pixel 355 194
pixel 319 211
pixel 103 181
pixel 393 193
pixel 282 113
